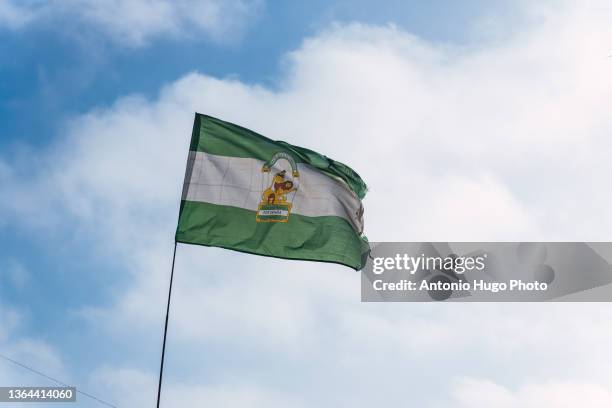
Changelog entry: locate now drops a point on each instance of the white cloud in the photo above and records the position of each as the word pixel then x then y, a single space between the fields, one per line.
pixel 136 22
pixel 472 393
pixel 134 387
pixel 16 346
pixel 13 16
pixel 503 142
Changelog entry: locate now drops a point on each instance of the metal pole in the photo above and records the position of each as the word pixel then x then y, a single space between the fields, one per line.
pixel 161 367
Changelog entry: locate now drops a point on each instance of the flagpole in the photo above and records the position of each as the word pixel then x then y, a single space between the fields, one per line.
pixel 161 366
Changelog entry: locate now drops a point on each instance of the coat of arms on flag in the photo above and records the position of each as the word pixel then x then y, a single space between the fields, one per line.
pixel 280 190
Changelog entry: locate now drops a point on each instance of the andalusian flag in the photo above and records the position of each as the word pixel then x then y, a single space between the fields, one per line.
pixel 248 193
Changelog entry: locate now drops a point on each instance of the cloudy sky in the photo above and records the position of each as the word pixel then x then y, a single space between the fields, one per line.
pixel 472 120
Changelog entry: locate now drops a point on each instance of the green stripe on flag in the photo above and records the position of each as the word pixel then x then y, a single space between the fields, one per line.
pixel 215 136
pixel 326 238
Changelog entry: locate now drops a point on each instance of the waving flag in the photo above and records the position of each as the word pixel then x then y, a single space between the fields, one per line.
pixel 248 193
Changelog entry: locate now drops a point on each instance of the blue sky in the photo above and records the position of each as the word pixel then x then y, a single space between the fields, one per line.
pixel 50 72
pixel 50 75
pixel 95 110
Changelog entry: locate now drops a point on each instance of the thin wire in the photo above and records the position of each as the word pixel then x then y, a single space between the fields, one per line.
pixel 56 380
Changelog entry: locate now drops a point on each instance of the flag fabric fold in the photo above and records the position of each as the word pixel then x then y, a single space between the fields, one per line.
pixel 245 192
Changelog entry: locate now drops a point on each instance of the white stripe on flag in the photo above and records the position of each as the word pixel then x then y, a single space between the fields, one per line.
pixel 239 182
